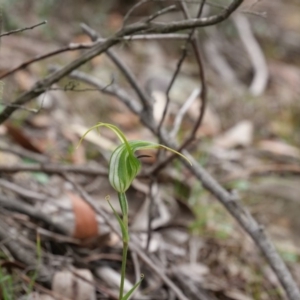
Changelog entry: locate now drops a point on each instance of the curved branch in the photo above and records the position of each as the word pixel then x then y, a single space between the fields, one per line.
pixel 42 85
pixel 23 29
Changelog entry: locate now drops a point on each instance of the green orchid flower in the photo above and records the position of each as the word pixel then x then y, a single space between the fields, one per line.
pixel 123 168
pixel 124 165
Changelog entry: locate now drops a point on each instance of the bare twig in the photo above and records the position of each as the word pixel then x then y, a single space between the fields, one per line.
pixel 203 92
pixel 18 206
pixel 24 192
pixel 71 47
pixel 54 169
pixel 212 4
pixel 178 67
pixel 25 153
pixel 261 74
pixel 132 9
pixel 153 27
pixel 167 36
pixel 160 12
pixel 55 236
pixel 74 47
pixel 143 96
pixel 93 34
pixel 195 44
pixel 183 111
pixel 146 100
pixel 177 70
pixel 22 107
pixel 137 37
pixel 23 29
pixel 179 64
pixel 112 90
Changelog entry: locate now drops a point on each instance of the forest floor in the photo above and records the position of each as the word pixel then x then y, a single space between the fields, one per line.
pixel 249 141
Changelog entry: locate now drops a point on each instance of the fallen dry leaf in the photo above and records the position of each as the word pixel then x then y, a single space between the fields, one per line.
pixel 22 139
pixel 239 135
pixel 279 148
pixel 86 225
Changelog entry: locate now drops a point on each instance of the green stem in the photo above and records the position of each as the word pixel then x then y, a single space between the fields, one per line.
pixel 124 208
pixel 123 270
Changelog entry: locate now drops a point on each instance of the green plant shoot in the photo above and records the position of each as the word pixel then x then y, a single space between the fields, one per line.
pixel 123 168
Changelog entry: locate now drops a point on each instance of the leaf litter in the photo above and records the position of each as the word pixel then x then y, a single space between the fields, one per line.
pixel 192 238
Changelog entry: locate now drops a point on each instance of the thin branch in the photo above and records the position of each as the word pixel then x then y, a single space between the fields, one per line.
pixel 54 169
pixel 135 37
pixel 159 13
pixel 25 153
pixel 112 90
pixel 71 47
pixel 203 92
pixel 22 107
pixel 20 207
pixel 93 34
pixel 158 27
pixel 42 85
pixel 131 10
pixel 177 70
pixel 212 4
pixel 179 117
pixel 24 192
pixel 23 29
pixel 72 85
pixel 179 64
pixel 261 73
pixel 143 96
pixel 76 90
pixel 74 47
pixel 167 36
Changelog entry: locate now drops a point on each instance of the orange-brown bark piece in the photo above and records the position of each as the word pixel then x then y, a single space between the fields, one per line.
pixel 85 218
